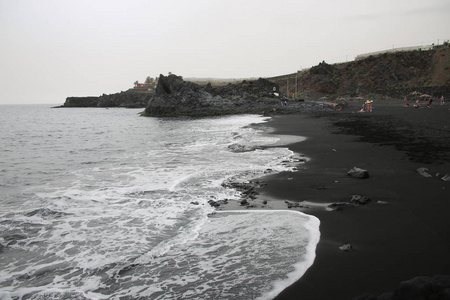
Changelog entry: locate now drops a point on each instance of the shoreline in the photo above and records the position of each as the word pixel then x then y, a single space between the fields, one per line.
pixel 311 226
pixel 403 232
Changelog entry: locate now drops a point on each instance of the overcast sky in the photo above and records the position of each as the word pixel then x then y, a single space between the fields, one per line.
pixel 52 49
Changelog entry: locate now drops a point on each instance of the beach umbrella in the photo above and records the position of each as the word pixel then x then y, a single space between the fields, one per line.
pixel 425 96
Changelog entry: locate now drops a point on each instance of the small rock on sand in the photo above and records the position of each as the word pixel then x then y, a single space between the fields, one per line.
pixel 346 247
pixel 423 172
pixel 358 173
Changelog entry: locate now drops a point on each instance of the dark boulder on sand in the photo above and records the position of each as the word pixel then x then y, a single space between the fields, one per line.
pixel 359 200
pixel 418 288
pixel 437 287
pixel 346 247
pixel 358 173
pixel 355 200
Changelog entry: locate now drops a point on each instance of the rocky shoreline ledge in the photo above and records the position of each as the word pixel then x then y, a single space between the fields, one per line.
pixel 175 97
pixel 127 99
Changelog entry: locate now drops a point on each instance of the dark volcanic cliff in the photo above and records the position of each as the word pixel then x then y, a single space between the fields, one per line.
pixel 176 97
pixel 389 74
pixel 130 99
pixel 392 75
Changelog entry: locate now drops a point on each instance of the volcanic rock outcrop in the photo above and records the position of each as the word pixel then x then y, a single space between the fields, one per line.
pixel 176 97
pixel 388 74
pixel 130 99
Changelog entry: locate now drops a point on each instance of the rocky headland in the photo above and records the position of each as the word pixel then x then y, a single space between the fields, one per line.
pixel 133 98
pixel 175 97
pixel 322 87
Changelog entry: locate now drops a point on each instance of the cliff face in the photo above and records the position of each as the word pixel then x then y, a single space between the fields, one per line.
pixel 81 102
pixel 128 99
pixel 176 97
pixel 390 74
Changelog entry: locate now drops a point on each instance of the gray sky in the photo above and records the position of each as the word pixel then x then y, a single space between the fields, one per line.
pixel 52 49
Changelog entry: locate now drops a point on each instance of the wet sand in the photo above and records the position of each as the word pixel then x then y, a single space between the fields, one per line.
pixel 404 231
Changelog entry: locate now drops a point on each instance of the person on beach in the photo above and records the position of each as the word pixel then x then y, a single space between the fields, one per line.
pixel 406 102
pixel 417 104
pixel 363 108
pixel 442 100
pixel 369 105
pixel 429 102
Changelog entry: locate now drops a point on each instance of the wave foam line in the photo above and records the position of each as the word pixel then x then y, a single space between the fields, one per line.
pixel 312 226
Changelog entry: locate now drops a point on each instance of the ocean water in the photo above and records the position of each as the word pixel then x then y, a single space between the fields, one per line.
pixel 105 204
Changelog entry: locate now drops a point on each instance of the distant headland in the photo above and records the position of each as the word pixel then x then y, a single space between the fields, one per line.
pixel 379 75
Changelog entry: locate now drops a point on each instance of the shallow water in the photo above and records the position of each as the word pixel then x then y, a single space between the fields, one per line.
pixel 104 204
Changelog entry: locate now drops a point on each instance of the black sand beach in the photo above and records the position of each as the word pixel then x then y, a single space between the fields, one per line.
pixel 404 232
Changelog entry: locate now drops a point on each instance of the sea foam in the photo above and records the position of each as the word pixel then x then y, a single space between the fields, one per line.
pixel 117 207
